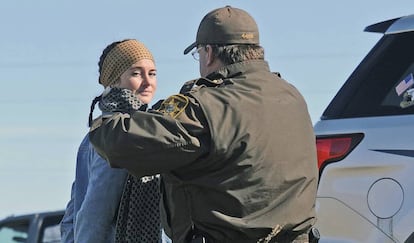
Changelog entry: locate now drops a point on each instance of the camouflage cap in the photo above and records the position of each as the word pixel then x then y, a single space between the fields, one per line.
pixel 226 25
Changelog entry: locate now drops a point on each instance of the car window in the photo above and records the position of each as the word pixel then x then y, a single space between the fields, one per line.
pixel 13 234
pixel 398 96
pixel 51 234
pixel 50 230
pixel 376 87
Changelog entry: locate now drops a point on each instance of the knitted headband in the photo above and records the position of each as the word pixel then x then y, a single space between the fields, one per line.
pixel 120 59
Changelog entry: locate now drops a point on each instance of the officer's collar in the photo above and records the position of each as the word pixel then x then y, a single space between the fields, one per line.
pixel 236 69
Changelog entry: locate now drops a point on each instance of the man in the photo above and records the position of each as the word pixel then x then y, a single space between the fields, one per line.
pixel 236 148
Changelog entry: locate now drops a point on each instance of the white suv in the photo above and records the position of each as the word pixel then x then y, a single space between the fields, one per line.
pixel 365 141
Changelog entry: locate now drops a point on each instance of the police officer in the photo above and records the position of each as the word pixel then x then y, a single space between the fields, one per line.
pixel 236 148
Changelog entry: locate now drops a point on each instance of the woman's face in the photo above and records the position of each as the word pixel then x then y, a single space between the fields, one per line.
pixel 141 78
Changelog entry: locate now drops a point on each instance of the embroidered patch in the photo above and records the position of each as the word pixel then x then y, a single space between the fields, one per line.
pixel 174 105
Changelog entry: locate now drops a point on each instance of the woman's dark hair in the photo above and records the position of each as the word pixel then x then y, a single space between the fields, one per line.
pixel 100 64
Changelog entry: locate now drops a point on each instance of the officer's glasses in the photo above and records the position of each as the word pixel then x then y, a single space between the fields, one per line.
pixel 196 53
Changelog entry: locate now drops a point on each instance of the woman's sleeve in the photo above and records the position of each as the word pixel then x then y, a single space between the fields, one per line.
pixel 66 225
pixel 95 221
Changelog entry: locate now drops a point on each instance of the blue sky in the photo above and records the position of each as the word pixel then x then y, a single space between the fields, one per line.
pixel 48 64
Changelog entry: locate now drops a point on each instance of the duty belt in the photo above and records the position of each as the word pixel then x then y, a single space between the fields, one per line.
pixel 311 237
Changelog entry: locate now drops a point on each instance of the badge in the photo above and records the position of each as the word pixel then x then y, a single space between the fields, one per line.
pixel 174 105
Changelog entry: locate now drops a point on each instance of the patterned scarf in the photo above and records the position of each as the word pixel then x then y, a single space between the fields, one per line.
pixel 115 99
pixel 139 213
pixel 119 99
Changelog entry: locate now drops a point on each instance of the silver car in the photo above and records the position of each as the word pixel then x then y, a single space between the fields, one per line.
pixel 365 141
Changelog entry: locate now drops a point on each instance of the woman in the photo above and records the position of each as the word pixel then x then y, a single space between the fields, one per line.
pixel 128 73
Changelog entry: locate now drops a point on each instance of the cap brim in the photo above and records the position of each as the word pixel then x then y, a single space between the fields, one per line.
pixel 189 48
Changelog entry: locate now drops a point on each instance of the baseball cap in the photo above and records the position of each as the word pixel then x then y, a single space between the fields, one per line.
pixel 226 25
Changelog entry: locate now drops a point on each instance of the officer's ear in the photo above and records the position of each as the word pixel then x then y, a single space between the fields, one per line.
pixel 210 58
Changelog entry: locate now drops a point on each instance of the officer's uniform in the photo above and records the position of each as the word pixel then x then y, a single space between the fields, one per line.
pixel 236 153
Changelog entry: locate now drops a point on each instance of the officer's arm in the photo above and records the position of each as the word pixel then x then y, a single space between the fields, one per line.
pixel 150 143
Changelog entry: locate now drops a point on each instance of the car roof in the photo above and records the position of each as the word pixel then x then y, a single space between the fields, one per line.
pixel 21 218
pixel 393 26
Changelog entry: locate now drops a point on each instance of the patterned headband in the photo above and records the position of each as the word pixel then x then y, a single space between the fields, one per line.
pixel 120 59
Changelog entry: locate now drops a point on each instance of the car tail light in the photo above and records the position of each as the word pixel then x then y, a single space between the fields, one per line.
pixel 333 148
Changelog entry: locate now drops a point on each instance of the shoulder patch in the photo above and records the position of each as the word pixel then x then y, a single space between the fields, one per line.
pixel 174 105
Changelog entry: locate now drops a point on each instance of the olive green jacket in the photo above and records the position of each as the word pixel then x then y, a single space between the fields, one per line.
pixel 237 155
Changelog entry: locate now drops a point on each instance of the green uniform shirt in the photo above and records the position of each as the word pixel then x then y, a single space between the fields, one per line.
pixel 237 155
